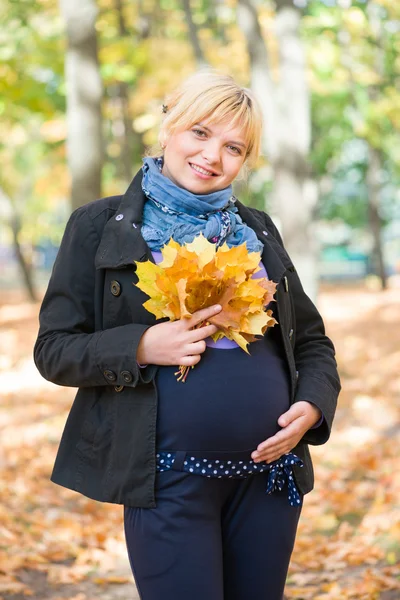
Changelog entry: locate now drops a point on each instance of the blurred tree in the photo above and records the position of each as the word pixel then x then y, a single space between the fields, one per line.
pixel 123 128
pixel 84 95
pixel 193 35
pixel 284 96
pixel 29 96
pixel 12 217
pixel 375 162
pixel 355 98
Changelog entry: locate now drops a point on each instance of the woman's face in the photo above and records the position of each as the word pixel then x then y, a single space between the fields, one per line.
pixel 205 158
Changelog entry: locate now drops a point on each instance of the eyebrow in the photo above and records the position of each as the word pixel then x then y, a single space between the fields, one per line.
pixel 229 142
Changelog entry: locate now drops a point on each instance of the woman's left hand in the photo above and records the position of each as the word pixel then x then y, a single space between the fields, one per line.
pixel 295 422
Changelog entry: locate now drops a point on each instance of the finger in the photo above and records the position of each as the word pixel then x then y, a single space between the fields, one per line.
pixel 201 333
pixel 275 440
pixel 275 457
pixel 190 361
pixel 195 348
pixel 271 454
pixel 266 454
pixel 273 448
pixel 285 446
pixel 290 415
pixel 286 438
pixel 203 315
pixel 293 431
pixel 281 448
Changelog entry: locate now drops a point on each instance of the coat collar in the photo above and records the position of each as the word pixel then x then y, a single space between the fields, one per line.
pixel 122 243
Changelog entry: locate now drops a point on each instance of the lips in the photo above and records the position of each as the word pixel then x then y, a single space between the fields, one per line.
pixel 203 170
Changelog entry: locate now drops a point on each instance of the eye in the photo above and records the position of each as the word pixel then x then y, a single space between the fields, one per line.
pixel 199 132
pixel 235 149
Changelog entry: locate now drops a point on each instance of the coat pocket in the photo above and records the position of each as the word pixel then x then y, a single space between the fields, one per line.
pixel 95 441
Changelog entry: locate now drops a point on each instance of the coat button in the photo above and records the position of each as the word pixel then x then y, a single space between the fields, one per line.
pixel 127 376
pixel 110 375
pixel 118 388
pixel 115 288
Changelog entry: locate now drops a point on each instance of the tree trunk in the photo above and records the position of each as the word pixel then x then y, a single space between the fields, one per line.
pixel 214 23
pixel 375 154
pixel 124 126
pixel 260 76
pixel 25 267
pixel 287 131
pixel 10 215
pixel 375 223
pixel 295 192
pixel 193 36
pixel 84 95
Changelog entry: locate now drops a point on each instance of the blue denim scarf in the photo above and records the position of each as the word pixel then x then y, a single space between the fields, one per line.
pixel 173 212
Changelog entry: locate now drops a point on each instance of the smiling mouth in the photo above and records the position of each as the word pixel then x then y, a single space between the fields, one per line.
pixel 202 171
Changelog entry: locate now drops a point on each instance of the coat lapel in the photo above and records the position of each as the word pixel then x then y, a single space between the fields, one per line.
pixel 122 243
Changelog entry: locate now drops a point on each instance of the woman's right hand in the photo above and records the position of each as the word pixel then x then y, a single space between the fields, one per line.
pixel 176 342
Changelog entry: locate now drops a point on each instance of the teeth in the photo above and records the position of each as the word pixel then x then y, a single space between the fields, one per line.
pixel 200 170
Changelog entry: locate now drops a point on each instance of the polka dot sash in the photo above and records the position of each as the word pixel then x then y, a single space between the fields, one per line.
pixel 278 473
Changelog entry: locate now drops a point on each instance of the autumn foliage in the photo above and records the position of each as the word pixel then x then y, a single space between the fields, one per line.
pixel 198 275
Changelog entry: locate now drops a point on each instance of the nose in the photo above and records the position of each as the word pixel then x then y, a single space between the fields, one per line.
pixel 211 152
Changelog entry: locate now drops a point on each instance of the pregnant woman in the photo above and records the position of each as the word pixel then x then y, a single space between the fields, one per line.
pixel 212 472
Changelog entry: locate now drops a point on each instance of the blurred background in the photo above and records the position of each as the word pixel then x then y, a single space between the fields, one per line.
pixel 82 83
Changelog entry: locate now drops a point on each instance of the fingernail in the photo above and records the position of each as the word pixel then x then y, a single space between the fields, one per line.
pixel 217 307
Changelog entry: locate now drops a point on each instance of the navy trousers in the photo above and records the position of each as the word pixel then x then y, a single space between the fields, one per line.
pixel 211 539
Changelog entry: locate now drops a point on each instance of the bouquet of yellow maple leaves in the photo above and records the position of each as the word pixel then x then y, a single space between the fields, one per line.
pixel 197 275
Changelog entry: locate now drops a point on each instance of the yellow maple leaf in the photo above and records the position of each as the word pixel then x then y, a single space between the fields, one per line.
pixel 169 253
pixel 204 250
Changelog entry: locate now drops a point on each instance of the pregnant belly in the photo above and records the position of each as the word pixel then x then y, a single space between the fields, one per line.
pixel 229 402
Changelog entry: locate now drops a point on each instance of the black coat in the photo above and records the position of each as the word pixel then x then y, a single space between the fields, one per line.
pixel 91 322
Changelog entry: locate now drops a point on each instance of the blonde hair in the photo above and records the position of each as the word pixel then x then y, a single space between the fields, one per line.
pixel 208 95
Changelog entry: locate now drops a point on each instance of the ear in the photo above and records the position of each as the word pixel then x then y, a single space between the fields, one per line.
pixel 243 173
pixel 163 138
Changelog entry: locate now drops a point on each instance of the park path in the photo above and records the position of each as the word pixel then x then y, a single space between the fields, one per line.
pixel 56 544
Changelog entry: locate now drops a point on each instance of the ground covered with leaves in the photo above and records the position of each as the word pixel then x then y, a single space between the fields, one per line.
pixel 55 544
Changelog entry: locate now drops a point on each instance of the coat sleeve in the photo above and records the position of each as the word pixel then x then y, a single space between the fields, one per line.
pixel 68 350
pixel 314 354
